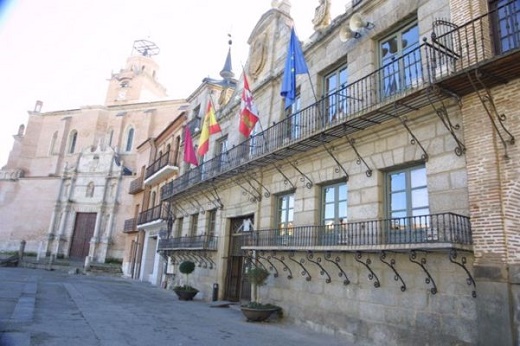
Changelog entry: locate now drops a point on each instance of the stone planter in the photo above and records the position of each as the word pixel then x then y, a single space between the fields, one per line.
pixel 257 314
pixel 185 295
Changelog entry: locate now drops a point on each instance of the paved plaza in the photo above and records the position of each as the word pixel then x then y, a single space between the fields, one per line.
pixel 42 307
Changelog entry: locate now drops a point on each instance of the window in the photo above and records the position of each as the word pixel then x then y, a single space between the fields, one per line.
pixel 194 225
pixel 110 137
pixel 336 95
pixel 334 204
pixel 212 222
pixel 294 119
pixel 53 147
pixel 178 229
pixel 177 151
pixel 152 199
pixel 400 60
pixel 223 161
pixel 129 139
pixel 334 213
pixel 90 189
pixel 285 213
pixel 285 218
pixel 195 122
pixel 73 137
pixel 407 193
pixel 507 24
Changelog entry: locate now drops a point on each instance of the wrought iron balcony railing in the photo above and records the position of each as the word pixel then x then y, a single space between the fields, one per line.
pixel 156 213
pixel 397 88
pixel 136 186
pixel 429 231
pixel 200 242
pixel 130 225
pixel 163 161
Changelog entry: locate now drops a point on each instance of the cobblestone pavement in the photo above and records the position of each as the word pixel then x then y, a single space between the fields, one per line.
pixel 40 307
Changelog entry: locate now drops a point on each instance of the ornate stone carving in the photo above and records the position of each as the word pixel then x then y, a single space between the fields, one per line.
pixel 321 18
pixel 258 55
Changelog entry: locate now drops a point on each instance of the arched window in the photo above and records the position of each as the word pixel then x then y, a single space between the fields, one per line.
pixel 152 200
pixel 73 137
pixel 110 137
pixel 90 189
pixel 129 139
pixel 177 148
pixel 52 148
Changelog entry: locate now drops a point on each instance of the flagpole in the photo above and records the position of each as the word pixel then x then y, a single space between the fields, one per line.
pixel 259 118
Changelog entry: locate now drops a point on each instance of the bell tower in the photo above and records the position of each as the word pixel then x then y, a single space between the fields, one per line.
pixel 137 82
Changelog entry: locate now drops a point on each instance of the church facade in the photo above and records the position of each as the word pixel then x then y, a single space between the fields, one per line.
pixel 64 189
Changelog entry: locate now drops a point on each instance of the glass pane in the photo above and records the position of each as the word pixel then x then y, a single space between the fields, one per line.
pixel 283 203
pixel 331 84
pixel 329 195
pixel 410 39
pixel 343 77
pixel 342 192
pixel 290 215
pixel 419 198
pixel 398 214
pixel 420 212
pixel 388 49
pixel 398 201
pixel 291 201
pixel 397 181
pixel 329 211
pixel 418 177
pixel 342 210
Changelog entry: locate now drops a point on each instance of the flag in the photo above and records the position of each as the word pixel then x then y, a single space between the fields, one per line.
pixel 294 65
pixel 209 127
pixel 189 152
pixel 248 111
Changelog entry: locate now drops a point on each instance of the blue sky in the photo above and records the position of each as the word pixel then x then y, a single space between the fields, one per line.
pixel 63 51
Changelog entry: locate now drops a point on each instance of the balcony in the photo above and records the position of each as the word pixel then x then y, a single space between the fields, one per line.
pixel 152 216
pixel 200 242
pixel 161 169
pixel 454 63
pixel 130 225
pixel 431 232
pixel 136 186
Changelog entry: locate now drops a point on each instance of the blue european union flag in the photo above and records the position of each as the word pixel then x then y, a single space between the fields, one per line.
pixel 294 65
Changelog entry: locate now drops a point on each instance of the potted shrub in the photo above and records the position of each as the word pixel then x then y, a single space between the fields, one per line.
pixel 186 292
pixel 255 311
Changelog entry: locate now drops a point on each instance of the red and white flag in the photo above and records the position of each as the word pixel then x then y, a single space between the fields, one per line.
pixel 248 111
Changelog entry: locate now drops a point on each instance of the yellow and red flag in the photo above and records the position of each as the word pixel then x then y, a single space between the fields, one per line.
pixel 210 126
pixel 248 111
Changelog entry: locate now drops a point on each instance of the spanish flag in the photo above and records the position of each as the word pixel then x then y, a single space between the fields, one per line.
pixel 209 127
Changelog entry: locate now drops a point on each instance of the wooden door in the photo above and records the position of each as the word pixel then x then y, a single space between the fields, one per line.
pixel 237 286
pixel 83 232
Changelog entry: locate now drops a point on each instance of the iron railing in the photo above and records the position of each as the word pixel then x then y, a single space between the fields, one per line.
pixel 445 230
pixel 153 214
pixel 163 161
pixel 453 52
pixel 204 242
pixel 130 225
pixel 136 185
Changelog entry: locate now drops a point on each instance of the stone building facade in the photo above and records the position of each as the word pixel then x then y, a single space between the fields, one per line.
pixel 383 201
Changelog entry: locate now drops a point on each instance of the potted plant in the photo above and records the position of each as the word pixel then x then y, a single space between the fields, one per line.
pixel 186 292
pixel 255 311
